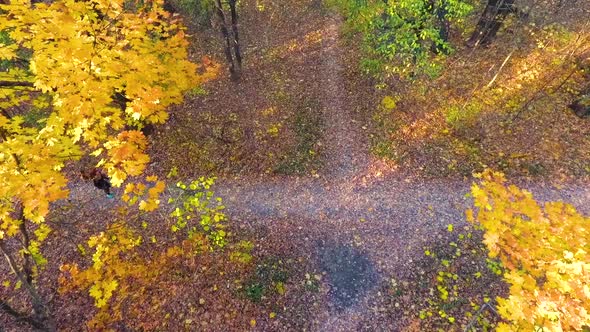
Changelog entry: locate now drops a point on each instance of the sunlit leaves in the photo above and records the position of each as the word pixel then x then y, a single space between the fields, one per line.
pixel 77 75
pixel 127 259
pixel 78 56
pixel 102 291
pixel 388 102
pixel 147 195
pixel 85 52
pixel 121 274
pixel 8 52
pixel 126 156
pixel 399 36
pixel 108 268
pixel 546 252
pixel 198 201
pixel 30 167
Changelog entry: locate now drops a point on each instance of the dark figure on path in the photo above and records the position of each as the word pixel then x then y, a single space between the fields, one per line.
pixel 101 181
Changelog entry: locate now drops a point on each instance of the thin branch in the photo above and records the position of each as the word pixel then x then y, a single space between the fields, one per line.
pixel 4 306
pixel 539 92
pixel 500 69
pixel 477 314
pixel 16 83
pixel 38 305
pixel 553 78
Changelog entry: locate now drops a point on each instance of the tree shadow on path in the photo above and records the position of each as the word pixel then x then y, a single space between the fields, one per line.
pixel 350 272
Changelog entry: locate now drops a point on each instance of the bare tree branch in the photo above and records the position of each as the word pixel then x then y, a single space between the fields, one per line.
pixel 15 83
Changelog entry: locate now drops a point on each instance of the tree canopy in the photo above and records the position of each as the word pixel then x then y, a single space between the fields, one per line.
pixel 404 37
pixel 89 72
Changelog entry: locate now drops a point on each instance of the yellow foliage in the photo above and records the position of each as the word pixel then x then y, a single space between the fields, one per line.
pixel 118 266
pixel 388 102
pixel 108 268
pixel 88 68
pixel 134 192
pixel 83 55
pixel 102 291
pixel 126 156
pixel 546 251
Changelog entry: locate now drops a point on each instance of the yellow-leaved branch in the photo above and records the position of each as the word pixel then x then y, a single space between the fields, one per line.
pixel 546 251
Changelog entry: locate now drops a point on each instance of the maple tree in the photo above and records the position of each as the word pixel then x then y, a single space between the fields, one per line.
pixel 545 250
pixel 70 62
pixel 130 262
pixel 81 80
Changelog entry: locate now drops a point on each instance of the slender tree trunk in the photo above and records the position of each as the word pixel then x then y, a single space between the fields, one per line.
pixel 224 31
pixel 442 23
pixel 236 39
pixel 490 22
pixel 39 307
pixel 233 53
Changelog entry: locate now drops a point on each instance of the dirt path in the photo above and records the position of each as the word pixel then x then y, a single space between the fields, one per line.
pixel 358 221
pixel 363 222
pixel 347 151
pixel 384 225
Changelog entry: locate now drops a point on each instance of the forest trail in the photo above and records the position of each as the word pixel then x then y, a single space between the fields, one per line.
pixel 347 151
pixel 382 226
pixel 359 222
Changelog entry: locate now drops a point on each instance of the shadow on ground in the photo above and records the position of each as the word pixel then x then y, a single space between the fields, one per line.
pixel 350 272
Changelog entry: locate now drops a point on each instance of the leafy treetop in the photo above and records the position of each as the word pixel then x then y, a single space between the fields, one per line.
pixel 71 59
pixel 546 253
pixel 403 37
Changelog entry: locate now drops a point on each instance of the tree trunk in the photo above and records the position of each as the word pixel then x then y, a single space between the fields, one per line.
pixel 490 22
pixel 41 314
pixel 232 52
pixel 27 258
pixel 234 27
pixel 443 25
pixel 226 36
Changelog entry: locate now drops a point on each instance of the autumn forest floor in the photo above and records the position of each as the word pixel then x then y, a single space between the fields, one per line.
pixel 340 231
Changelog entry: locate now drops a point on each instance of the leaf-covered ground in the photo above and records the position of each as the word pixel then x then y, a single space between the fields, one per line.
pixel 344 241
pixel 502 106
